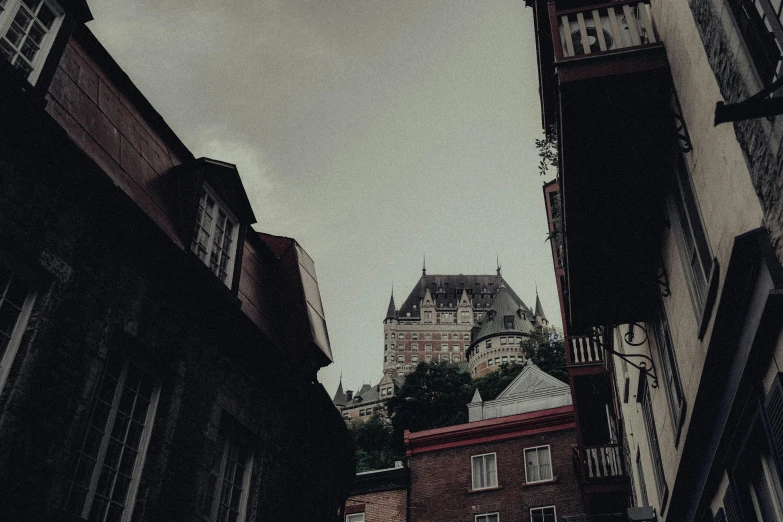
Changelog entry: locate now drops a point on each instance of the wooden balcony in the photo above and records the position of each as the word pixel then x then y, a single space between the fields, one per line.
pixel 585 349
pixel 602 462
pixel 616 37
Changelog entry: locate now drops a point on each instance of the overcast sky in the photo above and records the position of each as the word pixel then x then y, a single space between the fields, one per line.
pixel 372 131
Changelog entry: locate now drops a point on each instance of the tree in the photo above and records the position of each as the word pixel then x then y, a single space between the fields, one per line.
pixel 433 395
pixel 374 443
pixel 547 352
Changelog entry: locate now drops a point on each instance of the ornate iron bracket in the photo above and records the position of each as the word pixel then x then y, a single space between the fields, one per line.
pixel 760 105
pixel 663 281
pixel 679 125
pixel 630 339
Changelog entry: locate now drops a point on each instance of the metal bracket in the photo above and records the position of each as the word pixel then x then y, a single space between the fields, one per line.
pixel 679 125
pixel 760 105
pixel 663 281
pixel 630 339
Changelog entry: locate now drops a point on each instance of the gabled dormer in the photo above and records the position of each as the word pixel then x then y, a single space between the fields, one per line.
pixel 215 214
pixel 427 308
pixel 33 34
pixel 465 309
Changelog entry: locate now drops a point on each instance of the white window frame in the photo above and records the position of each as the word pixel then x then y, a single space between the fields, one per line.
pixel 354 517
pixel 18 331
pixel 414 347
pixel 246 478
pixel 444 347
pixel 542 508
pixel 414 337
pixel 484 517
pixel 488 476
pixel 9 10
pixel 220 206
pixel 138 466
pixel 428 358
pixel 551 470
pixel 414 358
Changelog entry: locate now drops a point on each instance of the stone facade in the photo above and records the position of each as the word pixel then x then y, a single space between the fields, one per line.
pixel 116 327
pixel 379 496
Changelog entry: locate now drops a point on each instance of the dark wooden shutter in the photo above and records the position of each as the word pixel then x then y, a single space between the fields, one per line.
pixel 731 506
pixel 774 411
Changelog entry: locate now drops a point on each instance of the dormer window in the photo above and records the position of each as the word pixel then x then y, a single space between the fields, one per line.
pixel 508 321
pixel 215 235
pixel 28 28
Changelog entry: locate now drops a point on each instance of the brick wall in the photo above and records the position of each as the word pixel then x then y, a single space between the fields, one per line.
pixel 379 506
pixel 441 481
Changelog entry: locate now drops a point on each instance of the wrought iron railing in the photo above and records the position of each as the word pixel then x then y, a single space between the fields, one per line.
pixel 603 28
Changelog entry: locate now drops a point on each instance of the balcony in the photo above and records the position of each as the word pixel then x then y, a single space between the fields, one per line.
pixel 613 110
pixel 585 350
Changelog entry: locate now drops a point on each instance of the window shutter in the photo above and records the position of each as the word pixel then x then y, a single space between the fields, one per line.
pixel 774 410
pixel 732 512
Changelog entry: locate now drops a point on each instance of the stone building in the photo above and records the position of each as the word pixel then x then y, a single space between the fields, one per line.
pixel 511 462
pixel 437 319
pixel 668 249
pixel 158 357
pixel 379 496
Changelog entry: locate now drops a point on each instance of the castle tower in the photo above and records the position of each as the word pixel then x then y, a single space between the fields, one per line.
pixel 390 336
pixel 499 339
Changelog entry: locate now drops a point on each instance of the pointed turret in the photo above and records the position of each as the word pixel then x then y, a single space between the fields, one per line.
pixel 391 312
pixel 339 396
pixel 540 317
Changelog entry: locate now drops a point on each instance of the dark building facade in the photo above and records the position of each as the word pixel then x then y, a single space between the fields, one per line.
pixel 158 356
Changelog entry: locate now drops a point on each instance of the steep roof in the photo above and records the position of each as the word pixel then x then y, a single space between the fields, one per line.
pixel 391 312
pixel 447 289
pixel 339 396
pixel 505 305
pixel 539 308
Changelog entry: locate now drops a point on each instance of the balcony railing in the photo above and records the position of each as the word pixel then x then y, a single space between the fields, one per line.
pixel 602 462
pixel 585 349
pixel 600 29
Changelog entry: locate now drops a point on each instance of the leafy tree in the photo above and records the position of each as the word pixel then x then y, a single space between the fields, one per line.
pixel 433 395
pixel 548 355
pixel 374 443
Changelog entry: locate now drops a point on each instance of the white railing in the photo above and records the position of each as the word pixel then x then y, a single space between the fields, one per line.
pixel 602 461
pixel 585 349
pixel 606 27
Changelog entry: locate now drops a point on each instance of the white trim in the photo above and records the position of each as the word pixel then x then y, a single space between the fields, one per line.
pixel 353 517
pixel 138 468
pixel 551 467
pixel 496 513
pixel 7 16
pixel 472 481
pixel 16 336
pixel 554 508
pixel 221 205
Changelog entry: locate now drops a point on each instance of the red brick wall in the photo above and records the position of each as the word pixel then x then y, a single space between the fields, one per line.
pixel 381 506
pixel 441 482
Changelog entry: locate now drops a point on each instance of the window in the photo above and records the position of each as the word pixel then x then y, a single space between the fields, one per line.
pixel 655 449
pixel 443 357
pixel 543 514
pixel 427 347
pixel 215 236
pixel 383 392
pixel 428 319
pixel 455 336
pixel 414 358
pixel 670 371
pixel 16 302
pixel 484 470
pixel 444 347
pixel 466 337
pixel 489 344
pixel 455 348
pixel 760 41
pixel 361 413
pixel 490 517
pixel 428 337
pixel 508 322
pixel 691 239
pixel 400 358
pixel 28 28
pixel 504 359
pixel 415 347
pixel 456 358
pixel 490 362
pixel 112 453
pixel 502 341
pixel 415 337
pixel 225 497
pixel 400 347
pixel 358 517
pixel 538 464
pixel 428 358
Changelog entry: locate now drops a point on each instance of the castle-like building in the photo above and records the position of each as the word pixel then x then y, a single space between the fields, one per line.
pixel 477 321
pixel 473 319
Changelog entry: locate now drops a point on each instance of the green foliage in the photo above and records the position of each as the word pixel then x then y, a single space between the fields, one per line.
pixel 433 395
pixel 547 151
pixel 490 385
pixel 374 443
pixel 551 358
